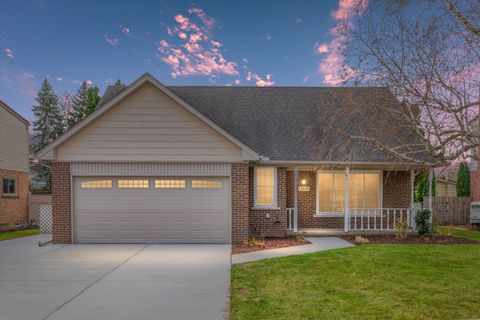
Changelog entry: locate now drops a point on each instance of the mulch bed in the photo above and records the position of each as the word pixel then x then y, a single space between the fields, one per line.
pixel 412 239
pixel 269 243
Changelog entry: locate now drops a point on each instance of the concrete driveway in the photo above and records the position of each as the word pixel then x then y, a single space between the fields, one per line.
pixel 113 281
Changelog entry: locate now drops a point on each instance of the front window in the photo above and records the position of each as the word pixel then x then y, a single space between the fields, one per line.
pixel 9 186
pixel 364 191
pixel 265 186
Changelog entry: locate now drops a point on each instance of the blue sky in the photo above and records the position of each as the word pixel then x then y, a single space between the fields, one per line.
pixel 281 43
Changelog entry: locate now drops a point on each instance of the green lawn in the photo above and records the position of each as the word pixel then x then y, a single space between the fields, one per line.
pixel 17 234
pixel 363 282
pixel 469 234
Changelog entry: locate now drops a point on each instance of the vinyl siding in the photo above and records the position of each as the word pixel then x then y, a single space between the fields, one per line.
pixel 13 142
pixel 149 126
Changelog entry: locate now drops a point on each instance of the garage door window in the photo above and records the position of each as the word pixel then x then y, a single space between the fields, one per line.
pixel 169 184
pixel 133 184
pixel 206 184
pixel 97 184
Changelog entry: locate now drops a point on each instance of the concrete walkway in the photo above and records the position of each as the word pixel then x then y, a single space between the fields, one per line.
pixel 317 244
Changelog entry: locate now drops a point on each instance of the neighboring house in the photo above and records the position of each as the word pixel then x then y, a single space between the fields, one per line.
pixel 217 164
pixel 13 168
pixel 446 181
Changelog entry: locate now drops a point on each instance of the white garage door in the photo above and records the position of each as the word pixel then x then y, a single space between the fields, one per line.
pixel 151 210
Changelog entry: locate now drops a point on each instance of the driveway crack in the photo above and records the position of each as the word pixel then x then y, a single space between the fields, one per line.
pixel 95 282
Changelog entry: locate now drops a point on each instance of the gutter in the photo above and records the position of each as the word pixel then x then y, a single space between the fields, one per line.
pixel 343 163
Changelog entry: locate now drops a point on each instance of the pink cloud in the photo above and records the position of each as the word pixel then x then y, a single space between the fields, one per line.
pixel 197 53
pixel 333 63
pixel 59 78
pixel 260 82
pixel 9 53
pixel 298 20
pixel 238 81
pixel 27 74
pixel 88 82
pixel 111 40
pixel 306 78
pixel 209 22
pixel 127 31
pixel 321 48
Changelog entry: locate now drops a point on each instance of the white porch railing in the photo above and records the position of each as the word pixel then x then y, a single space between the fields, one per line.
pixel 290 219
pixel 380 219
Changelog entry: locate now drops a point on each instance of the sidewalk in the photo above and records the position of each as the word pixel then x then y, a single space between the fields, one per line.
pixel 317 244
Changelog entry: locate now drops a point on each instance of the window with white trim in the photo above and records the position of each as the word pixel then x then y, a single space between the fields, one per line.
pixel 265 186
pixel 364 191
pixel 9 186
pixel 96 184
pixel 133 184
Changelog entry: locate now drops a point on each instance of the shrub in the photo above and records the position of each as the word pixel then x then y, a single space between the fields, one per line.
pixel 422 221
pixel 463 180
pixel 401 228
pixel 254 242
pixel 447 231
pixel 301 238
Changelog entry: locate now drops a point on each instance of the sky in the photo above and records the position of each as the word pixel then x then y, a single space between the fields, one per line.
pixel 221 43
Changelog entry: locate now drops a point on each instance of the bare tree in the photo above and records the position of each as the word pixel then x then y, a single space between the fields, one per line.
pixel 428 54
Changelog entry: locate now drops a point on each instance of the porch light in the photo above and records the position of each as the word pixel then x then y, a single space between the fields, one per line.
pixel 304 185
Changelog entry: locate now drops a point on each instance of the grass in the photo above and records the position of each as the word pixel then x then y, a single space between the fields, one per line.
pixel 363 282
pixel 18 234
pixel 468 234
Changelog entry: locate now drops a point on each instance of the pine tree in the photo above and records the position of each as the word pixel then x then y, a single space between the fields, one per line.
pixel 47 126
pixel 79 106
pixel 463 180
pixel 93 99
pixel 48 123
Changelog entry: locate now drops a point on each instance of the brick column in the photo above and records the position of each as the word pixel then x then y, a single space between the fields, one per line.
pixel 475 185
pixel 61 195
pixel 240 202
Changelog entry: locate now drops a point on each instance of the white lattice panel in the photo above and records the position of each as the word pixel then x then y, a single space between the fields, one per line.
pixel 45 216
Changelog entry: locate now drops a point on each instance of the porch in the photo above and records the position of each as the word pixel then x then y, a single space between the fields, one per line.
pixel 395 199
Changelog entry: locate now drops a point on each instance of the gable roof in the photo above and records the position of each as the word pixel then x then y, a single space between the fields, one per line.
pixel 14 113
pixel 306 123
pixel 113 100
pixel 286 124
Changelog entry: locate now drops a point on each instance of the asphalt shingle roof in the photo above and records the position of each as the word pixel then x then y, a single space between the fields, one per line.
pixel 302 123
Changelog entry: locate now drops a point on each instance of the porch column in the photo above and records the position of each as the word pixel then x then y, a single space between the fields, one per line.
pixel 347 216
pixel 430 182
pixel 412 197
pixel 295 199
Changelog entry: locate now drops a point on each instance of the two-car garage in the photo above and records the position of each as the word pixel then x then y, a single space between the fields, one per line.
pixel 146 209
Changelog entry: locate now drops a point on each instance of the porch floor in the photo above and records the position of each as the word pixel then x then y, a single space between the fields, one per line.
pixel 325 232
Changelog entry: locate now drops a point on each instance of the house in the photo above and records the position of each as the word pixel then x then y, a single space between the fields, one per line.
pixel 446 181
pixel 14 165
pixel 161 164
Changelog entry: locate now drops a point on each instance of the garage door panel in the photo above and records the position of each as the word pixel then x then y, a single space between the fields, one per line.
pixel 157 214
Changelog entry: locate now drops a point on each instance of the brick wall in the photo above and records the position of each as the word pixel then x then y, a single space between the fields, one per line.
pixel 14 209
pixel 475 185
pixel 396 194
pixel 270 222
pixel 61 211
pixel 396 189
pixel 240 202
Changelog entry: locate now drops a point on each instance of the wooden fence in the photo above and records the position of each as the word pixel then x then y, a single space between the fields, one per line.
pixel 450 210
